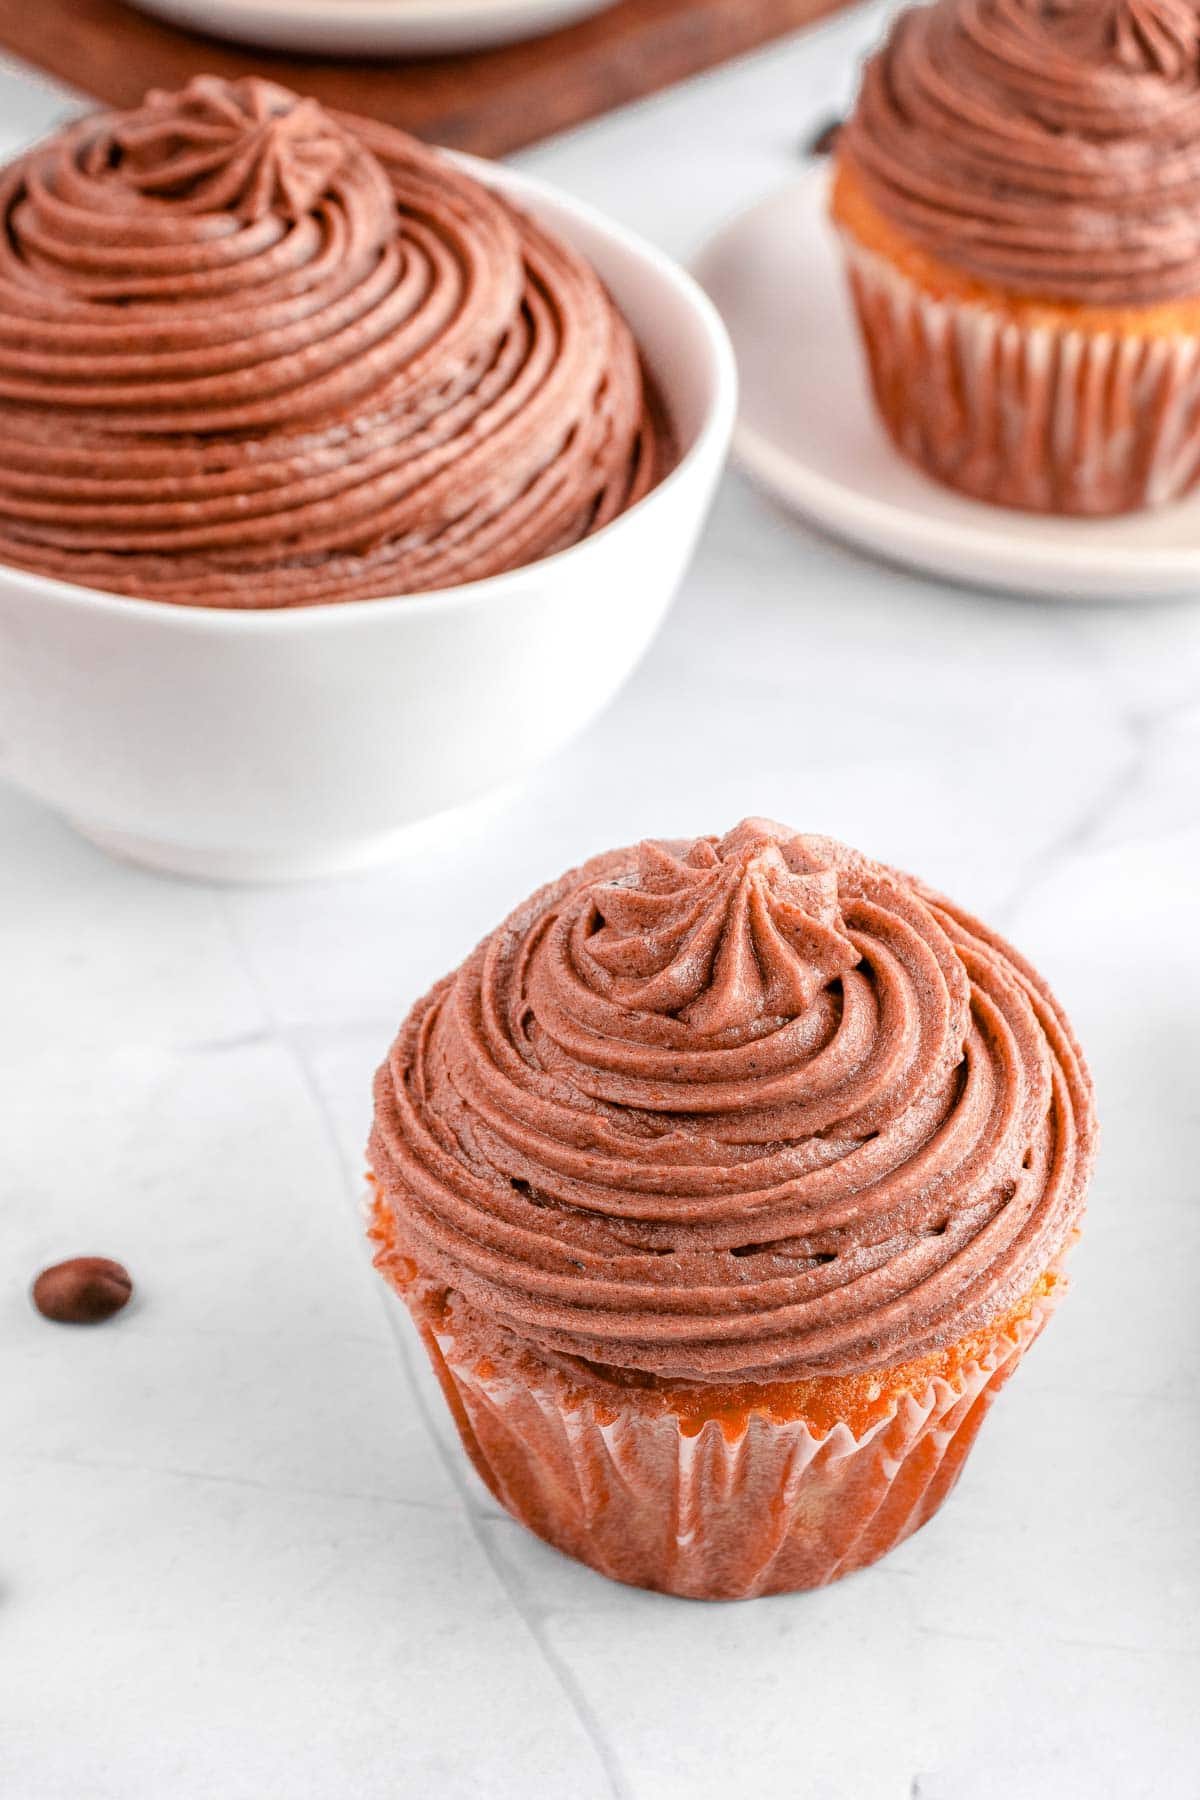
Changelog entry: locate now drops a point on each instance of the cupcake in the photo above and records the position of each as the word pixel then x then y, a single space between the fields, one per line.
pixel 727 1182
pixel 1018 197
pixel 257 354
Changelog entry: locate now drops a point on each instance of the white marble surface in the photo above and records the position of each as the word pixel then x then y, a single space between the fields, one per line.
pixel 240 1556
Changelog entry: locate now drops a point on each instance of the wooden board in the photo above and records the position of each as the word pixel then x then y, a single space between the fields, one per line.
pixel 492 102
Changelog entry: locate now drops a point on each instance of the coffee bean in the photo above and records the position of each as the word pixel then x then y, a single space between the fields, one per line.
pixel 823 140
pixel 83 1291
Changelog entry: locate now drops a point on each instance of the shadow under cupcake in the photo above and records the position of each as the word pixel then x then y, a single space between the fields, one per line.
pixel 727 1182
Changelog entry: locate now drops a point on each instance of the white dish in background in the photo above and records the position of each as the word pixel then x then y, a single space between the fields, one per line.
pixel 807 430
pixel 307 741
pixel 375 27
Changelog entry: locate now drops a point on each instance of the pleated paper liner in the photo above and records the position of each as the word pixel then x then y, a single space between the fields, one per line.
pixel 704 1494
pixel 1027 413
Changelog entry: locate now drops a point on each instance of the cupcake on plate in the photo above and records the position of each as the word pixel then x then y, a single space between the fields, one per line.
pixel 1018 196
pixel 258 354
pixel 727 1182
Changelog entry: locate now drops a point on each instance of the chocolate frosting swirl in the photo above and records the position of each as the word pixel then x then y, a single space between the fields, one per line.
pixel 1047 147
pixel 256 354
pixel 740 1109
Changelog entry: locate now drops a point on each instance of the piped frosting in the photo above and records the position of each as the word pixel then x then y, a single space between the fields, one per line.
pixel 1049 148
pixel 741 1108
pixel 253 353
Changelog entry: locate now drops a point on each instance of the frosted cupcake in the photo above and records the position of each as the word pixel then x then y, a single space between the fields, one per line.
pixel 1018 195
pixel 727 1182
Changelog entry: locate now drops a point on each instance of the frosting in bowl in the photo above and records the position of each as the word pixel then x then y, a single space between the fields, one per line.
pixel 257 354
pixel 748 1108
pixel 1047 147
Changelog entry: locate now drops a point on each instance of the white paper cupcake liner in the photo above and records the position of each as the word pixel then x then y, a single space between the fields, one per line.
pixel 726 1510
pixel 1049 419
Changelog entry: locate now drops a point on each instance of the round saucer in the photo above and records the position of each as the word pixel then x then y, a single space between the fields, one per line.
pixel 807 431
pixel 374 27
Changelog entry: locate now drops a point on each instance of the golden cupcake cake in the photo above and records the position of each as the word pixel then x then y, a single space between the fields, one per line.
pixel 727 1182
pixel 258 354
pixel 1018 197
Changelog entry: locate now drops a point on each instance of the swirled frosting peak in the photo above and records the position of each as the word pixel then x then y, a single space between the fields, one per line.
pixel 253 353
pixel 1046 147
pixel 737 1108
pixel 1161 37
pixel 249 148
pixel 725 936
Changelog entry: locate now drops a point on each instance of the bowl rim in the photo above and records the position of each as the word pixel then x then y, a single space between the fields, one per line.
pixel 716 424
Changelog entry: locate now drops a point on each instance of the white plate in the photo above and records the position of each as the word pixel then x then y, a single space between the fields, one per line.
pixel 807 431
pixel 374 27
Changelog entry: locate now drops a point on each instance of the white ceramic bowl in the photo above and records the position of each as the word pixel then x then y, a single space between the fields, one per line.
pixel 375 27
pixel 272 745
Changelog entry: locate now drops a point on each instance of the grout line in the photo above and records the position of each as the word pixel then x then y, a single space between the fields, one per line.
pixel 326 1030
pixel 556 1665
pixel 924 1629
pixel 115 1466
pixel 478 1523
pixel 1143 726
pixel 1083 832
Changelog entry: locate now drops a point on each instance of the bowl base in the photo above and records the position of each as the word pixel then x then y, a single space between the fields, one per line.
pixel 344 856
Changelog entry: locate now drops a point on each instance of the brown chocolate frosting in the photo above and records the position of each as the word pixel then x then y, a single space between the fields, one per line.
pixel 257 354
pixel 748 1108
pixel 1047 147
